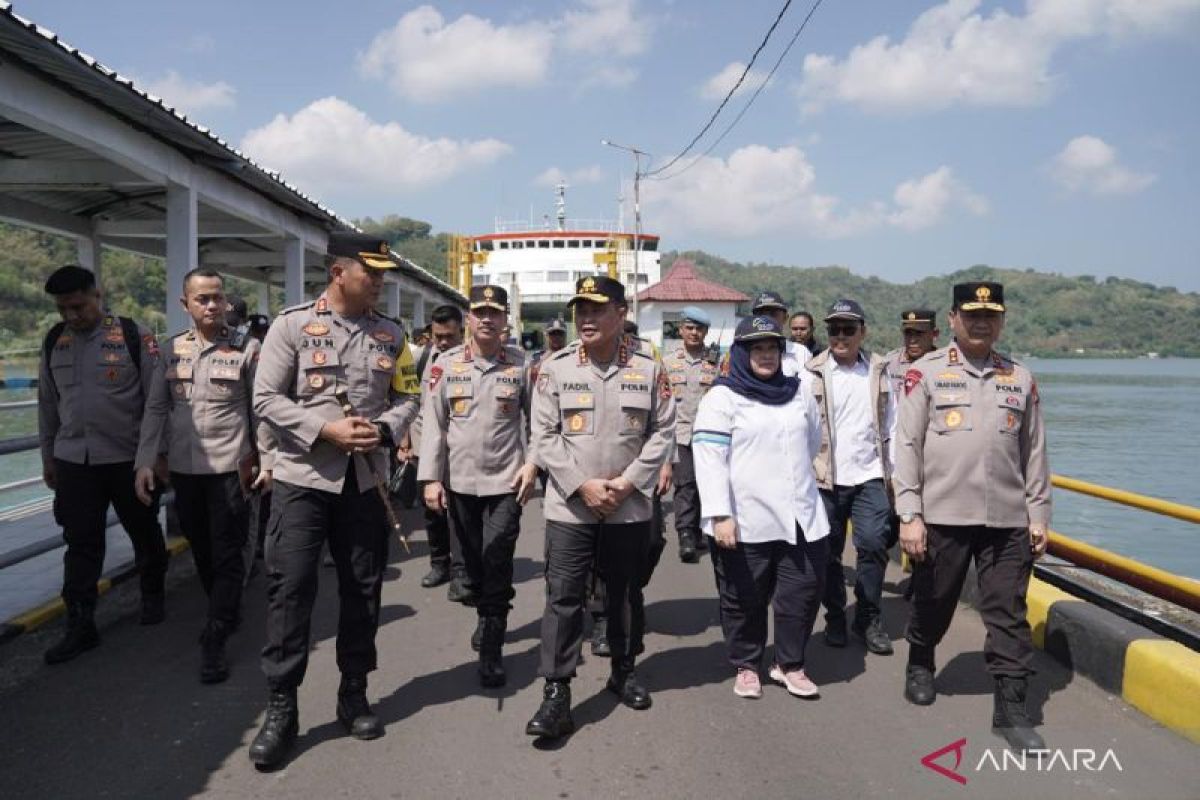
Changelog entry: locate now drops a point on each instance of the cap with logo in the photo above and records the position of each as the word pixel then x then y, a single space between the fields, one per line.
pixel 370 250
pixel 752 329
pixel 845 309
pixel 598 289
pixel 921 318
pixel 485 296
pixel 696 315
pixel 766 301
pixel 979 296
pixel 556 326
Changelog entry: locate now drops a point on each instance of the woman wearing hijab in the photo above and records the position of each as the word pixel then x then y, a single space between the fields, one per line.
pixel 755 436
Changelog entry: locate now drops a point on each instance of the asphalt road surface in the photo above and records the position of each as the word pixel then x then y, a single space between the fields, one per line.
pixel 130 719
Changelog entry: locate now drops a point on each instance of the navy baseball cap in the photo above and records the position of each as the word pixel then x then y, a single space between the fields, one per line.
pixel 751 329
pixel 846 309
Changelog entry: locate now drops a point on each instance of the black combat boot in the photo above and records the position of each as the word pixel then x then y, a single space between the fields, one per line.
pixel 553 717
pixel 214 668
pixel 918 679
pixel 437 575
pixel 477 636
pixel 279 729
pixel 600 637
pixel 353 710
pixel 81 634
pixel 874 636
pixel 1010 719
pixel 835 632
pixel 491 662
pixel 624 684
pixel 459 591
pixel 154 608
pixel 687 549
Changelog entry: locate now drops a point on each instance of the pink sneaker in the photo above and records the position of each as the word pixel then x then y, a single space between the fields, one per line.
pixel 795 681
pixel 746 684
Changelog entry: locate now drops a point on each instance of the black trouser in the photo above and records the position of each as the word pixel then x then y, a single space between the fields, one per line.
pixel 487 529
pixel 81 498
pixel 867 506
pixel 787 577
pixel 1003 562
pixel 355 525
pixel 687 496
pixel 214 516
pixel 619 552
pixel 445 549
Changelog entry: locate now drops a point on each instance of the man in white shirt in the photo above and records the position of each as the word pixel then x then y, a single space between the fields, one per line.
pixel 770 304
pixel 853 468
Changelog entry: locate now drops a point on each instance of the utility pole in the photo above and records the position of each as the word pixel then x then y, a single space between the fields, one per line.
pixel 637 215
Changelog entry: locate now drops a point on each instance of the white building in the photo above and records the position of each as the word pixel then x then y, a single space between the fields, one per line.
pixel 659 306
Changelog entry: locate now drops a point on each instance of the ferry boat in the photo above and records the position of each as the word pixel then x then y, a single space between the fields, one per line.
pixel 539 263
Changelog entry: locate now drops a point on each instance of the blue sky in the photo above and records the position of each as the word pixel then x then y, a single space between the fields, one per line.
pixel 899 139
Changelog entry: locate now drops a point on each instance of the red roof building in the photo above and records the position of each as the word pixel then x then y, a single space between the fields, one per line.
pixel 683 285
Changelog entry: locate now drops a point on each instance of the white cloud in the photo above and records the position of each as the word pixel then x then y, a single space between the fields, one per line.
pixel 189 96
pixel 330 145
pixel 716 87
pixel 761 190
pixel 1089 164
pixel 427 59
pixel 554 176
pixel 923 202
pixel 954 55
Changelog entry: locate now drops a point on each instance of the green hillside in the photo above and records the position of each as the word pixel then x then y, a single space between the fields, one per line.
pixel 1050 314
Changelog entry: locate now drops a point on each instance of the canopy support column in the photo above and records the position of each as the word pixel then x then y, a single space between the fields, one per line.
pixel 182 249
pixel 293 272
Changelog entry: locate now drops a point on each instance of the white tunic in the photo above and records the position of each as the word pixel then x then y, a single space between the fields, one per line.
pixel 754 463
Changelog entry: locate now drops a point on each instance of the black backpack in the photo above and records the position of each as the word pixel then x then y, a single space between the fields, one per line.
pixel 129 329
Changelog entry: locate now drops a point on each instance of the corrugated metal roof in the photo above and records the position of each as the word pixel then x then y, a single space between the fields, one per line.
pixel 43 51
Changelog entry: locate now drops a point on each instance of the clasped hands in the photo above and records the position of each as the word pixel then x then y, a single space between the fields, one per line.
pixel 605 495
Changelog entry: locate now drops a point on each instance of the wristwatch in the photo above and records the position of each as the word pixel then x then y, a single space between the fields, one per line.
pixel 908 517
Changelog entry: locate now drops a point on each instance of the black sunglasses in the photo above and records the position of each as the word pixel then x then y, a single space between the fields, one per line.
pixel 848 329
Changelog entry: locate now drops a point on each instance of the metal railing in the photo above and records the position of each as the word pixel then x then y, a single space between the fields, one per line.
pixel 1177 589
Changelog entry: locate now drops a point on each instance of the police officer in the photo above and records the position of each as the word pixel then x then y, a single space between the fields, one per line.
pixel 94 375
pixel 691 373
pixel 919 328
pixel 445 553
pixel 199 410
pixel 603 425
pixel 325 470
pixel 972 482
pixel 476 420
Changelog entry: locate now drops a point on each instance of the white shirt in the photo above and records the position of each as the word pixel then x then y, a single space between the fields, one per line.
pixel 852 425
pixel 754 463
pixel 795 356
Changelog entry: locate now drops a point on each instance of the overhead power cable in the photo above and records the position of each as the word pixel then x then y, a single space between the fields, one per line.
pixel 749 102
pixel 778 18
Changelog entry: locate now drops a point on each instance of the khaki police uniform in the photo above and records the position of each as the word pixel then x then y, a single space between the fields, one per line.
pixel 444 548
pixel 593 421
pixel 200 411
pixel 476 423
pixel 321 494
pixel 90 403
pixel 690 379
pixel 971 460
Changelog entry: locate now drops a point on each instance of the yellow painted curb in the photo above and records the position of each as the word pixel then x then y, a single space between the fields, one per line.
pixel 1040 598
pixel 37 617
pixel 1162 679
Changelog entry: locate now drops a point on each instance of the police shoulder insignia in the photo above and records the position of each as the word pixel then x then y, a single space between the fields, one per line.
pixel 316 329
pixel 952 357
pixel 543 382
pixel 911 379
pixel 435 376
pixel 664 386
pixel 1033 392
